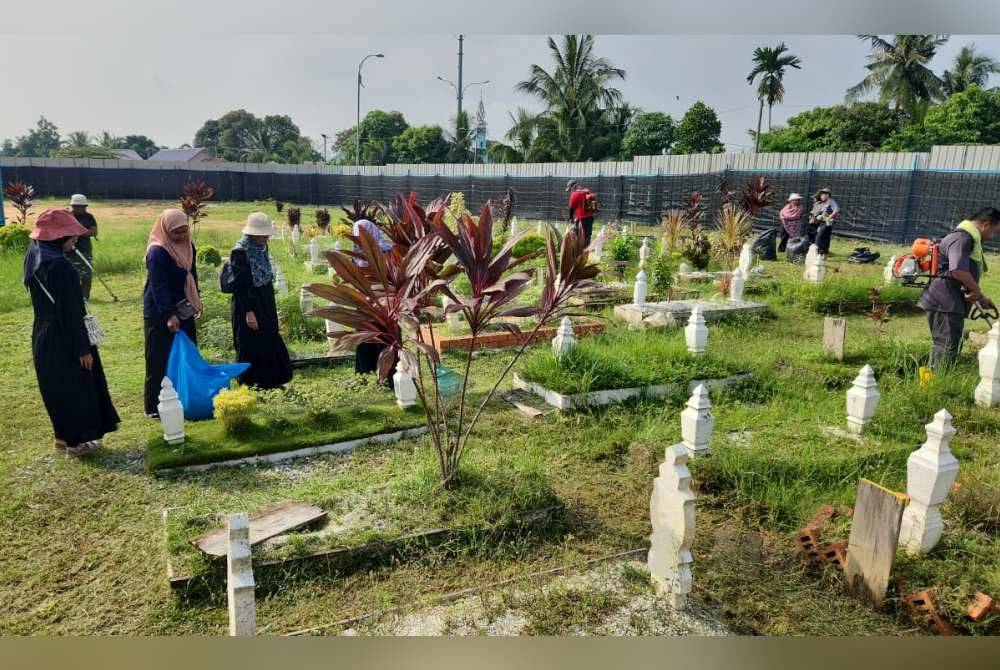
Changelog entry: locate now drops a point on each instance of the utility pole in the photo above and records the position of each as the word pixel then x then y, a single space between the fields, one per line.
pixel 324 146
pixel 357 127
pixel 3 221
pixel 459 87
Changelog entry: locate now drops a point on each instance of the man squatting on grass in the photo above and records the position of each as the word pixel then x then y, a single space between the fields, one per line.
pixel 950 295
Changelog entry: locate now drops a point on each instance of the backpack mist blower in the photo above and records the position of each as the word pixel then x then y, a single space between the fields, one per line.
pixel 920 267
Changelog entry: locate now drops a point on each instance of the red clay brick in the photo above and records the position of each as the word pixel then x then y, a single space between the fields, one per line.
pixel 981 606
pixel 835 553
pixel 923 609
pixel 822 515
pixel 808 540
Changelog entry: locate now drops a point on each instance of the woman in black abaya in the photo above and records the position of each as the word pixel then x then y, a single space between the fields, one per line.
pixel 70 375
pixel 254 312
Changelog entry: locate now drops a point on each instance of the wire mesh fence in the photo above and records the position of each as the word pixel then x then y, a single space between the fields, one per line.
pixel 894 204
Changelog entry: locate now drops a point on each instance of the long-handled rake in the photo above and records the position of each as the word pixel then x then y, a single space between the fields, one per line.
pixel 94 272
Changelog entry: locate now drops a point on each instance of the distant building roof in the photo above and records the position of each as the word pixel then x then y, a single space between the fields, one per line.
pixel 127 154
pixel 182 155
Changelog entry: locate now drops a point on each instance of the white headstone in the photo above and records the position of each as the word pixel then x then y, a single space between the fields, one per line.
pixel 280 282
pixel 514 230
pixel 815 270
pixel 685 268
pixel 240 584
pixel 746 258
pixel 930 472
pixel 697 422
pixel 564 339
pixel 314 251
pixel 305 299
pixel 834 337
pixel 541 228
pixel 887 273
pixel 452 319
pixel 696 332
pixel 988 390
pixel 736 285
pixel 672 514
pixel 296 234
pixel 862 400
pixel 639 291
pixel 171 413
pixel 406 390
pixel 644 252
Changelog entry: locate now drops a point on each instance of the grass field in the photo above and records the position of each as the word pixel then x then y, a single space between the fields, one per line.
pixel 84 547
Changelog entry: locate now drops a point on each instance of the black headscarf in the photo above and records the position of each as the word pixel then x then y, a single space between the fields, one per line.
pixel 38 253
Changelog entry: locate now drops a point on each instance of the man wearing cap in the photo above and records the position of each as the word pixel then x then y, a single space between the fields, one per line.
pixel 582 207
pixel 78 205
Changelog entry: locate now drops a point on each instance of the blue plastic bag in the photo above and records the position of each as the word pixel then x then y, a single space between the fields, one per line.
pixel 196 381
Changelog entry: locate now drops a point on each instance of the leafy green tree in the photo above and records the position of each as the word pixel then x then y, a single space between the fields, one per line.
pixel 460 140
pixel 140 144
pixel 769 64
pixel 41 141
pixel 969 117
pixel 699 131
pixel 577 95
pixel 421 144
pixel 649 134
pixel 378 130
pixel 900 72
pixel 240 136
pixel 862 126
pixel 969 69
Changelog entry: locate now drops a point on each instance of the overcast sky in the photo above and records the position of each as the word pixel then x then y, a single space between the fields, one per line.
pixel 159 86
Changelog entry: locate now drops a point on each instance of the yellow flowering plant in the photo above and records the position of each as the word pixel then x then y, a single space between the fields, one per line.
pixel 234 407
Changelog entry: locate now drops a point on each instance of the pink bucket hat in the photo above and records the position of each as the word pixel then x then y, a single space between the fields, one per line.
pixel 53 224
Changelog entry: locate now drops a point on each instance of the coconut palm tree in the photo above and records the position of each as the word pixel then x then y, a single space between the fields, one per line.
pixel 969 69
pixel 769 64
pixel 900 71
pixel 576 93
pixel 77 139
pixel 109 141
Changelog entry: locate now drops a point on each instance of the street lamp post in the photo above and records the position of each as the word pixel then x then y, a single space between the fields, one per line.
pixel 461 93
pixel 357 126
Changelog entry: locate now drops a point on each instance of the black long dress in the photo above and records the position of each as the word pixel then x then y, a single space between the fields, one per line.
pixel 263 349
pixel 76 399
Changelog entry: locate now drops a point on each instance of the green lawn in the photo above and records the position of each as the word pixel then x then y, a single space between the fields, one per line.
pixel 84 548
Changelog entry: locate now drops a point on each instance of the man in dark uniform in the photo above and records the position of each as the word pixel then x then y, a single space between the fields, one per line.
pixel 78 204
pixel 950 295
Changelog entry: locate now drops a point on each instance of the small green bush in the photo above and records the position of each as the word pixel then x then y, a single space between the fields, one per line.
pixel 216 335
pixel 234 408
pixel 621 247
pixel 13 238
pixel 208 255
pixel 294 325
pixel 529 244
pixel 661 269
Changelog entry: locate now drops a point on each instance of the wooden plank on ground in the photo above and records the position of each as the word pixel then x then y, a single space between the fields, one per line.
pixel 871 548
pixel 523 401
pixel 285 517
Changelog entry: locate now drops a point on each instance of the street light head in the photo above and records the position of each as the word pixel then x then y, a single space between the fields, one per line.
pixel 379 55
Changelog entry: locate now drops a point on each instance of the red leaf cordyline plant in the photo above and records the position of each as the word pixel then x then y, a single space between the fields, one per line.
pixel 194 201
pixel 757 196
pixel 386 298
pixel 22 197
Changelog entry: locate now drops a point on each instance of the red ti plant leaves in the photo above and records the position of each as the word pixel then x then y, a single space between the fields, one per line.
pixel 21 196
pixel 757 195
pixel 194 199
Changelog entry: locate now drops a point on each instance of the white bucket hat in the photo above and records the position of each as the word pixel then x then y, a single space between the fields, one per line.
pixel 78 199
pixel 258 223
pixel 794 196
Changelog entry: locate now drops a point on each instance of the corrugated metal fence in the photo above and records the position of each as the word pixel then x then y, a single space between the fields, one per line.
pixel 889 196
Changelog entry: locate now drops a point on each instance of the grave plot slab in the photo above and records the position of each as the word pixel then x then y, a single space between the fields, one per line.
pixel 679 311
pixel 502 338
pixel 565 402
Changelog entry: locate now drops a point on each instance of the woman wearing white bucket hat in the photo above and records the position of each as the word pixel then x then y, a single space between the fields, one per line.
pixel 250 278
pixel 791 219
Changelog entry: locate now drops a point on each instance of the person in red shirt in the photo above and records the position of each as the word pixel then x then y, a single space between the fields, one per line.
pixel 582 207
